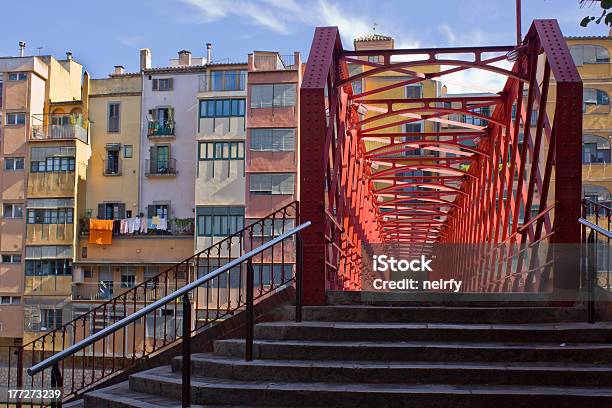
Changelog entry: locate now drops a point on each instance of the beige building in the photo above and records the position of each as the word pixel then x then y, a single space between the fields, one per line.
pixel 44 154
pixel 592 57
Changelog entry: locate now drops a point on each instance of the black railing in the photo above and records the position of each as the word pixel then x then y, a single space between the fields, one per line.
pixel 596 262
pixel 160 167
pixel 149 318
pixel 160 128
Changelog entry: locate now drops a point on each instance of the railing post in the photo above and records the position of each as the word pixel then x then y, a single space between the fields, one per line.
pixel 248 347
pixel 19 371
pixel 186 352
pixel 57 382
pixel 298 278
pixel 591 272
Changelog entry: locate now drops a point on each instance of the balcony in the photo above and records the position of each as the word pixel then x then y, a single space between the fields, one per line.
pixel 160 168
pixel 274 62
pixel 160 129
pixel 223 81
pixel 112 167
pixel 176 227
pixel 59 132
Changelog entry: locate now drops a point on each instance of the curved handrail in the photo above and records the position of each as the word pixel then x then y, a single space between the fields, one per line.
pixel 159 303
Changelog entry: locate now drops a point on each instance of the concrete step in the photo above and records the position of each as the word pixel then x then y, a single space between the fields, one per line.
pixel 162 381
pixel 593 353
pixel 120 396
pixel 541 332
pixel 399 372
pixel 461 299
pixel 442 314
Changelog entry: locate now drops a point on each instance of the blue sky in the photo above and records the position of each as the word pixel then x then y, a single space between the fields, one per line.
pixel 105 33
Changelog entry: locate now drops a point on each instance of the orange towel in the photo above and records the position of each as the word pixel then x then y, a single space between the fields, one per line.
pixel 101 232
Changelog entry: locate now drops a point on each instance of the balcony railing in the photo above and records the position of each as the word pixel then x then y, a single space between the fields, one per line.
pixel 59 132
pixel 176 227
pixel 274 62
pixel 216 81
pixel 166 167
pixel 160 128
pixel 112 167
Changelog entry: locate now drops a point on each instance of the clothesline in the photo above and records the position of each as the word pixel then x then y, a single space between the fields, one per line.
pixel 141 225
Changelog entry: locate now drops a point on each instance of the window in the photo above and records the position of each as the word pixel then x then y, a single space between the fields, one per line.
pixel 219 221
pixel 161 324
pixel 375 58
pixel 128 281
pixel 268 274
pixel 13 163
pixel 357 86
pixel 272 228
pixel 221 150
pixel 51 319
pixel 111 164
pixel 111 211
pixel 87 272
pixel 272 183
pixel 10 300
pixel 158 210
pixel 227 81
pixel 595 149
pixel 589 54
pixel 11 259
pixel 114 117
pixel 414 91
pixel 12 210
pixel 221 108
pixel 17 76
pixel 415 127
pixel 51 216
pixel 595 101
pixel 128 151
pixel 48 267
pixel 273 95
pixel 162 84
pixel 15 119
pixel 52 164
pixel 273 140
pixel 473 120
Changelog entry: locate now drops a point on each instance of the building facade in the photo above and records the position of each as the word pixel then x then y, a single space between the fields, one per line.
pixel 592 57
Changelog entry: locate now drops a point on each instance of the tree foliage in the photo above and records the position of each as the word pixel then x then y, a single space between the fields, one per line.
pixel 606 14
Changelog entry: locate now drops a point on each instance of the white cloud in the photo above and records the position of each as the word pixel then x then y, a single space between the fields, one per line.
pixel 473 79
pixel 285 16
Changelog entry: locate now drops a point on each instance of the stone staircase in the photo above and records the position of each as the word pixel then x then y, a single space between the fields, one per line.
pixel 360 355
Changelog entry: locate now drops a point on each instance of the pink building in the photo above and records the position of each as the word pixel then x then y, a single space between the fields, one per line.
pixel 272 132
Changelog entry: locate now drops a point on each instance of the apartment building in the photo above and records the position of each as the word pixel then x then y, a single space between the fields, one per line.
pixel 272 155
pixel 44 153
pixel 221 135
pixel 592 57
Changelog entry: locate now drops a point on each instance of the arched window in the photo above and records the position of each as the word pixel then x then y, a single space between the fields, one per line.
pixel 595 149
pixel 595 101
pixel 589 54
pixel 596 194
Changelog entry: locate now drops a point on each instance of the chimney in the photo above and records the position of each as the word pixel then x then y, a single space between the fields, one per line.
pixel 208 53
pixel 145 58
pixel 21 48
pixel 184 58
pixel 119 70
pixel 69 56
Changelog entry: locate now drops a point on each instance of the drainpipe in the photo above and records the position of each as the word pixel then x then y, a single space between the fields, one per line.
pixel 140 142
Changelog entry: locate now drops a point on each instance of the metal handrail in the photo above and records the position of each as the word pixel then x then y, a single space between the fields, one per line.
pixel 595 227
pixel 161 302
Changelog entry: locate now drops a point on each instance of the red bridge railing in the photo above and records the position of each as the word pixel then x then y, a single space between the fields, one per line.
pixel 499 170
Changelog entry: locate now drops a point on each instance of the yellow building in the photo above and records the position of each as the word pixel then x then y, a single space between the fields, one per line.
pixel 592 57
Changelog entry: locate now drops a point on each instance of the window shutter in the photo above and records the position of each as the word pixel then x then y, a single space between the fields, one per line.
pixel 121 211
pixel 170 83
pixel 150 211
pixel 155 84
pixel 100 211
